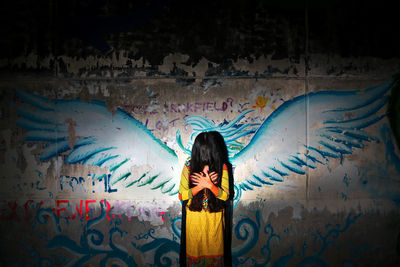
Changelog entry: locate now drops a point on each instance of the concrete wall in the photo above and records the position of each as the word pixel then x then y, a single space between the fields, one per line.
pixel 96 126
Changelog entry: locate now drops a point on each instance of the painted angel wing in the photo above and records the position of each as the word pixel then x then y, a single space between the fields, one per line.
pixel 288 141
pixel 97 137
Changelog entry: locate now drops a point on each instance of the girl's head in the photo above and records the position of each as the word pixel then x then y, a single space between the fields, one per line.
pixel 209 149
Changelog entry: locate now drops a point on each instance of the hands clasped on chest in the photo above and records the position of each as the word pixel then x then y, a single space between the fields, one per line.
pixel 203 180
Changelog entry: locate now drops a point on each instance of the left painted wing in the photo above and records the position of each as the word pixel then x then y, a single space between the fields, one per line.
pixel 291 139
pixel 95 136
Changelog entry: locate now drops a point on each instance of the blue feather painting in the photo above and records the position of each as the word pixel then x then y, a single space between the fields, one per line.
pixel 302 133
pixel 117 142
pixel 288 141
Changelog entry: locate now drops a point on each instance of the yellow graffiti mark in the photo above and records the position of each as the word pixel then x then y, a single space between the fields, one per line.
pixel 261 102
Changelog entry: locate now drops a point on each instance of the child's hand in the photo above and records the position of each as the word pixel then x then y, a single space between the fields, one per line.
pixel 201 179
pixel 214 177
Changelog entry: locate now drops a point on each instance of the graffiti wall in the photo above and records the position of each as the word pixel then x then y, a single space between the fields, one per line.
pixel 100 103
pixel 90 176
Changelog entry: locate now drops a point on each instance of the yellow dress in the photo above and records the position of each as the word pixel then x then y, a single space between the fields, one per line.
pixel 204 229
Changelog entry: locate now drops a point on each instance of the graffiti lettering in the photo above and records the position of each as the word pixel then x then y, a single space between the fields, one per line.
pixel 183 107
pixel 31 185
pixel 162 125
pixel 87 202
pixel 146 235
pixel 200 107
pixel 108 208
pixel 78 210
pixel 72 182
pixel 107 185
pixel 12 214
pixel 84 210
pixel 26 208
pixel 140 109
pixel 196 107
pixel 79 184
pixel 58 210
pixel 147 211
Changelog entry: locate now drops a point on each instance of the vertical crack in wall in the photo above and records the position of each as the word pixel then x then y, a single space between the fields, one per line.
pixel 306 68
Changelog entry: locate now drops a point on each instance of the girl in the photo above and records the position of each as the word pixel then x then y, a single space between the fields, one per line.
pixel 204 189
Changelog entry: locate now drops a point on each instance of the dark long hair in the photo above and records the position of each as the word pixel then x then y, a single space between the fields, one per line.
pixel 209 148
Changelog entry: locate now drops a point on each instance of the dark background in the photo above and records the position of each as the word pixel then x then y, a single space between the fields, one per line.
pixel 220 31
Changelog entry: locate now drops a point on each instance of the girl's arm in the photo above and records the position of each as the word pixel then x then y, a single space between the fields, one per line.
pixel 204 181
pixel 196 189
pixel 185 192
pixel 223 192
